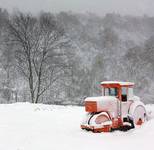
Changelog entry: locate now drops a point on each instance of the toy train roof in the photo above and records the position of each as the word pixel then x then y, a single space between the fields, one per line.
pixel 117 82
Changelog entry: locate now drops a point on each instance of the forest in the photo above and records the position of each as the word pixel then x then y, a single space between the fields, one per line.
pixel 62 58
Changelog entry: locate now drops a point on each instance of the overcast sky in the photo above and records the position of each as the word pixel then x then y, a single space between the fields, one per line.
pixel 133 7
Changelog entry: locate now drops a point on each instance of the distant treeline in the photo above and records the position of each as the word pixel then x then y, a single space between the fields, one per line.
pixel 61 58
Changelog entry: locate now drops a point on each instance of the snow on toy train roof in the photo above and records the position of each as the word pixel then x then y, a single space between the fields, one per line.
pixel 117 82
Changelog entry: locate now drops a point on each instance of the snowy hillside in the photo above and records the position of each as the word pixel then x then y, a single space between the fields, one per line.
pixel 25 126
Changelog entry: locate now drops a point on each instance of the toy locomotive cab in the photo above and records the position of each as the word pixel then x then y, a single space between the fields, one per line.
pixel 117 108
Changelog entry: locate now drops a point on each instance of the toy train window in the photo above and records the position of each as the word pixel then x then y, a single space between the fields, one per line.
pixel 110 91
pixel 124 94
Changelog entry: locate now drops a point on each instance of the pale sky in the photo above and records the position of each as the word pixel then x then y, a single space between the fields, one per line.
pixel 100 7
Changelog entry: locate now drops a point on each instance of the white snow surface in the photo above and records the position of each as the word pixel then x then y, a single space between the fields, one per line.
pixel 25 126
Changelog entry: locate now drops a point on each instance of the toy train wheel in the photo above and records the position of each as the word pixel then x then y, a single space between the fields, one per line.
pixel 138 114
pixel 99 119
pixel 101 122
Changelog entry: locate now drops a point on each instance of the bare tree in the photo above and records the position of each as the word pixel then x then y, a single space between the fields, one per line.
pixel 39 54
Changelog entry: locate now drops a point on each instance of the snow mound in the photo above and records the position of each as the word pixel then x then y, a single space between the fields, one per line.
pixel 25 126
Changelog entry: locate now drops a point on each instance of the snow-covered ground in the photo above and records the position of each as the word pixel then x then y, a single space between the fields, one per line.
pixel 25 126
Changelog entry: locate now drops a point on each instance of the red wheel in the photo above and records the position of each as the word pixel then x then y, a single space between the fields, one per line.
pixel 138 112
pixel 99 119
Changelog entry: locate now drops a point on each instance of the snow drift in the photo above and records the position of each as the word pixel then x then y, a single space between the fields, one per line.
pixel 25 126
